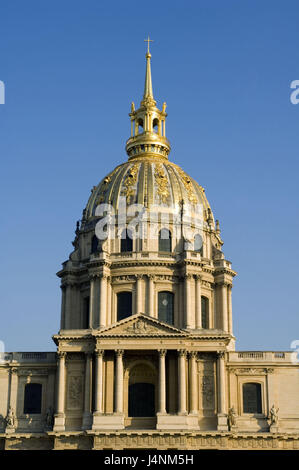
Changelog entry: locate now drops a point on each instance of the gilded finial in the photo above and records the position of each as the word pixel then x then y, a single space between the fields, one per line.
pixel 148 40
pixel 148 97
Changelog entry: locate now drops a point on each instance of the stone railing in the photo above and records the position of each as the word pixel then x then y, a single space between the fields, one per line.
pixel 260 356
pixel 29 357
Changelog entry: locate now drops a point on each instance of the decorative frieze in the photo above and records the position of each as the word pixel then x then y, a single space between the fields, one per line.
pixel 252 371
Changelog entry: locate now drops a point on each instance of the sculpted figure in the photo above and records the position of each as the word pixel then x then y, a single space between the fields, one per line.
pixel 274 415
pixel 10 418
pixel 231 417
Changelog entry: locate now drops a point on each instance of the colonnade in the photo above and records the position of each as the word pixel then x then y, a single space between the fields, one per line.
pixel 190 294
pixel 185 406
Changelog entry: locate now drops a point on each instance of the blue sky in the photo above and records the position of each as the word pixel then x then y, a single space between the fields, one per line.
pixel 71 70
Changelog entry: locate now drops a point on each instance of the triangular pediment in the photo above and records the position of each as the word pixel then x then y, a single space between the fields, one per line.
pixel 141 325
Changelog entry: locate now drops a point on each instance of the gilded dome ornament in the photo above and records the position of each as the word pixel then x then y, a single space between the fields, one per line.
pixel 130 181
pixel 162 182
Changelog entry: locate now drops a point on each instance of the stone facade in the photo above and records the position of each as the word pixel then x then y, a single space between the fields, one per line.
pixel 201 393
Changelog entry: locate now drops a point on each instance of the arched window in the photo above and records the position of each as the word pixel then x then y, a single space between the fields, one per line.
pixel 198 243
pixel 165 240
pixel 94 244
pixel 166 307
pixel 140 126
pixel 155 125
pixel 124 305
pixel 126 243
pixel 33 398
pixel 252 398
pixel 204 312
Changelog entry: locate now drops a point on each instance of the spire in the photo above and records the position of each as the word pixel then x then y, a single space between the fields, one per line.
pixel 148 87
pixel 148 131
pixel 148 97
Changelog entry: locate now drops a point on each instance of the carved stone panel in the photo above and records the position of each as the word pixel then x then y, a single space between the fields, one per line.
pixel 207 399
pixel 75 392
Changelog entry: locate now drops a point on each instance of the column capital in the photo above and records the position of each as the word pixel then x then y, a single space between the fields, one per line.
pixel 119 352
pixel 182 352
pixel 162 352
pixel 139 277
pixel 152 277
pixel 61 354
pixel 220 354
pixel 99 352
pixel 193 354
pixel 197 277
pixel 188 276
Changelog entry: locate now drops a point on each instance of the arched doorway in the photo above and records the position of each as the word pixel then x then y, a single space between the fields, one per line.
pixel 141 400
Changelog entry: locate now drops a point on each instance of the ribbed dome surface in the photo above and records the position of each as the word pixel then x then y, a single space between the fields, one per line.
pixel 147 181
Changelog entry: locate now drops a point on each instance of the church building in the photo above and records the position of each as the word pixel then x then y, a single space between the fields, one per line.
pixel 146 351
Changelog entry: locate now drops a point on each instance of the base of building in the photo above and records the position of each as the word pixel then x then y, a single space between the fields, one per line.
pixel 222 422
pixel 274 428
pixel 87 420
pixel 10 430
pixel 59 423
pixel 145 439
pixel 102 421
pixel 166 421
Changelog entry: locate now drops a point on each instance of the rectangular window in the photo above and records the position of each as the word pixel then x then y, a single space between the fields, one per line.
pixel 33 399
pixel 166 307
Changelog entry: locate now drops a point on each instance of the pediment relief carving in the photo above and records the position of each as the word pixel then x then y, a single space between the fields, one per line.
pixel 140 325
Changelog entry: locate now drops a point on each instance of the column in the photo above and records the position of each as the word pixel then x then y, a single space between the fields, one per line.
pixel 230 312
pixel 182 321
pixel 198 323
pixel 59 423
pixel 151 295
pixel 92 301
pixel 138 307
pixel 87 392
pixel 182 382
pixel 224 307
pixel 188 302
pixel 61 382
pixel 119 381
pixel 99 381
pixel 68 306
pixel 194 384
pixel 62 316
pixel 162 382
pixel 103 301
pixel 221 393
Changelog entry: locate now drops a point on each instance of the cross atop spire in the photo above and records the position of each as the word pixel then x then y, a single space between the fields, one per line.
pixel 148 87
pixel 148 40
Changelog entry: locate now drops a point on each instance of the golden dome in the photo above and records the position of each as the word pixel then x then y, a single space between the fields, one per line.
pixel 149 182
